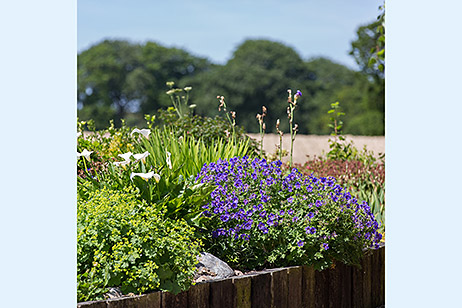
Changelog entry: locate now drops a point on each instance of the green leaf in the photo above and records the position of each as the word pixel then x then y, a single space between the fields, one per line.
pixel 372 60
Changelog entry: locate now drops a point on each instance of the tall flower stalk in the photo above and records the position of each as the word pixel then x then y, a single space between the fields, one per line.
pixel 232 113
pixel 180 102
pixel 262 127
pixel 290 115
pixel 280 139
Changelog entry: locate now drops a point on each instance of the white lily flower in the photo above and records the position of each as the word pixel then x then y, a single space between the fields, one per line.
pixel 85 153
pixel 156 177
pixel 121 163
pixel 169 162
pixel 146 176
pixel 145 132
pixel 141 156
pixel 126 156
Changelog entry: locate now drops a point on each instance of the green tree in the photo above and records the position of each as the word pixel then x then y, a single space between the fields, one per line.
pixel 162 65
pixel 259 74
pixel 330 79
pixel 107 74
pixel 369 52
pixel 366 45
pixel 118 79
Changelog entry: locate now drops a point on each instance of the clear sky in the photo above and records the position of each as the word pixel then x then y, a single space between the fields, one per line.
pixel 213 29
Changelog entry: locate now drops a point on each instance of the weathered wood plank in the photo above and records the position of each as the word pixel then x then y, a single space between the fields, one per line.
pixel 295 286
pixel 92 304
pixel 367 276
pixel 170 300
pixel 261 291
pixel 124 302
pixel 335 286
pixel 198 296
pixel 308 287
pixel 221 293
pixel 382 275
pixel 153 300
pixel 346 278
pixel 378 277
pixel 321 288
pixel 357 287
pixel 242 292
pixel 375 278
pixel 279 289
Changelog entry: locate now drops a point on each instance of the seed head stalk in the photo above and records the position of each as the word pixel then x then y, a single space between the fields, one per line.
pixel 233 115
pixel 290 115
pixel 262 128
pixel 280 139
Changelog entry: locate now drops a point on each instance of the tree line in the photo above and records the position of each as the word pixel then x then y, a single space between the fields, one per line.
pixel 121 79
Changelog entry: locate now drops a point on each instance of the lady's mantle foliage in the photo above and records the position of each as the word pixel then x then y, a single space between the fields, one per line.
pixel 261 217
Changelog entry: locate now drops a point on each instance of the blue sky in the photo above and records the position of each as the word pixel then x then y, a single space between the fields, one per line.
pixel 213 29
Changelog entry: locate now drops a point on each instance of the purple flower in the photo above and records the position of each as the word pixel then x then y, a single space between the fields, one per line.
pixel 224 217
pixel 248 225
pixel 299 93
pixel 325 246
pixel 262 227
pixel 300 243
pixel 270 222
pixel 310 230
pixel 290 199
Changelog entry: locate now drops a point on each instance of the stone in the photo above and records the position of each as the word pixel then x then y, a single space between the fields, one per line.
pixel 210 267
pixel 113 293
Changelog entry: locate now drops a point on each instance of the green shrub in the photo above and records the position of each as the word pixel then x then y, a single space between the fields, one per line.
pixel 205 128
pixel 175 161
pixel 123 242
pixel 187 152
pixel 260 217
pixel 108 142
pixel 363 178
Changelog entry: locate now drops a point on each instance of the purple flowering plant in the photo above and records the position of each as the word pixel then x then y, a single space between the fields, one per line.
pixel 260 216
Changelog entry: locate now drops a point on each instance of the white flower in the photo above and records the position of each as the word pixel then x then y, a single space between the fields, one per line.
pixel 146 176
pixel 169 162
pixel 78 134
pixel 121 163
pixel 141 156
pixel 126 156
pixel 145 132
pixel 85 154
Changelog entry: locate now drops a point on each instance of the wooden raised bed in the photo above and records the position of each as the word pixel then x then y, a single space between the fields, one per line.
pixel 297 286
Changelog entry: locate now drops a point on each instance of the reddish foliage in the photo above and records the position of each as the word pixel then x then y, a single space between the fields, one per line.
pixel 346 172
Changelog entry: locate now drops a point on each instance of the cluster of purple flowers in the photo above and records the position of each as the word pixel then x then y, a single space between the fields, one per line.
pixel 255 196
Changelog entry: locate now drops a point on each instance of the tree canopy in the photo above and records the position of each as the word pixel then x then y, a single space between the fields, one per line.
pixel 119 79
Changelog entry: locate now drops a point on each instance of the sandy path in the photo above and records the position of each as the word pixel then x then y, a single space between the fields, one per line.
pixel 314 145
